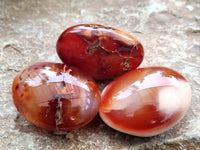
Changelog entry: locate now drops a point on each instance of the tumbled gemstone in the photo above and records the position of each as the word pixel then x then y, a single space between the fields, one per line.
pixel 146 101
pixel 55 96
pixel 103 52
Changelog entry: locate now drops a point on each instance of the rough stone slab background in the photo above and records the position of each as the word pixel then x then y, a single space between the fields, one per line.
pixel 168 29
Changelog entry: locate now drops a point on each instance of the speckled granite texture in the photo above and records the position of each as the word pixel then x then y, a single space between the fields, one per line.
pixel 168 29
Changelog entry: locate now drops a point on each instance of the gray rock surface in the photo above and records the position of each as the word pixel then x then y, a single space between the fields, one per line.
pixel 168 29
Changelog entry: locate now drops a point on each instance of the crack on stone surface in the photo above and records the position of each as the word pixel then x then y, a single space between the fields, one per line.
pixel 96 45
pixel 7 46
pixel 93 46
pixel 193 31
pixel 125 65
pixel 55 104
pixel 12 69
pixel 58 114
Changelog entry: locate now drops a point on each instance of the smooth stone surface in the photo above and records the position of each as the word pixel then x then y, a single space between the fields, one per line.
pixel 145 102
pixel 56 97
pixel 103 52
pixel 168 30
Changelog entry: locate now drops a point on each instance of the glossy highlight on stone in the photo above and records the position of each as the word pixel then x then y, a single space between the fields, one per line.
pixel 145 102
pixel 103 52
pixel 55 96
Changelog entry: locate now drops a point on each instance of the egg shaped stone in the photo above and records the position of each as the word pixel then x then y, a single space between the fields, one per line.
pixel 56 97
pixel 103 52
pixel 145 102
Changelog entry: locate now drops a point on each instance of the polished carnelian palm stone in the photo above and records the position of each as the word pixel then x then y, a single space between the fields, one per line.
pixel 55 96
pixel 146 101
pixel 103 52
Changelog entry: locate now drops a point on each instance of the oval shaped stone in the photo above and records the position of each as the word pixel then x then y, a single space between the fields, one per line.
pixel 55 96
pixel 103 52
pixel 146 101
